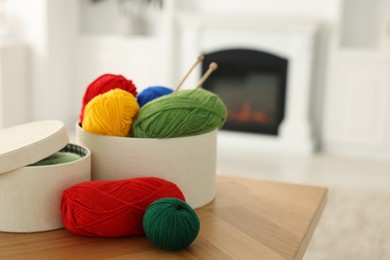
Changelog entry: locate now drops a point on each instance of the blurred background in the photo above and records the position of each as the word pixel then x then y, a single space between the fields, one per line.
pixel 338 54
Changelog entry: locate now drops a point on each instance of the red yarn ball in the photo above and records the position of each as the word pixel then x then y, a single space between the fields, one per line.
pixel 103 84
pixel 113 208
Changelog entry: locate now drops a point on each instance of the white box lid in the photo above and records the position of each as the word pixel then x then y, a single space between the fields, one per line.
pixel 29 143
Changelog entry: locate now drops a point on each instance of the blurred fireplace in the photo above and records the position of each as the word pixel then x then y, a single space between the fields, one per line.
pixel 253 86
pixel 278 54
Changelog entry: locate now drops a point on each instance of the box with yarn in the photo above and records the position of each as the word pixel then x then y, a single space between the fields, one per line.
pixel 189 162
pixel 157 133
pixel 37 163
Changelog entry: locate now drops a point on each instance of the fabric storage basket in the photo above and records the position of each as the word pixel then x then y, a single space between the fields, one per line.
pixel 189 162
pixel 30 196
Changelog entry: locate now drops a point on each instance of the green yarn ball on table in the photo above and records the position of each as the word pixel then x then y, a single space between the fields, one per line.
pixel 171 224
pixel 183 113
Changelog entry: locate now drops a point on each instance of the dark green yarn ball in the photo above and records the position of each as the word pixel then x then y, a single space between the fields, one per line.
pixel 171 224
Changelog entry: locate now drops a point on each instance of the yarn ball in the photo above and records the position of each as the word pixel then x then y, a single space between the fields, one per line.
pixel 183 113
pixel 111 113
pixel 103 84
pixel 57 158
pixel 113 208
pixel 171 224
pixel 152 93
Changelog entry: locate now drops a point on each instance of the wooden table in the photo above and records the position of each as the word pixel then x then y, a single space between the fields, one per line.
pixel 249 219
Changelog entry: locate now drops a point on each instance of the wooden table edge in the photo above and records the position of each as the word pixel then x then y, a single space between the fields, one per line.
pixel 315 220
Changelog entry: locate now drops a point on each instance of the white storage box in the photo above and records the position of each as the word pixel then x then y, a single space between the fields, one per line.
pixel 30 196
pixel 189 162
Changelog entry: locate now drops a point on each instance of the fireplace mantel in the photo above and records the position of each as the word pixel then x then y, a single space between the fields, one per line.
pixel 292 39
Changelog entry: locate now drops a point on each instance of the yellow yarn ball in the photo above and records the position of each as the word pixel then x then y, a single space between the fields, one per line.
pixel 111 113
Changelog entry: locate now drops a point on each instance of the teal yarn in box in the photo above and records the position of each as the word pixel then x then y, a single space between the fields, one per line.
pixel 171 224
pixel 183 113
pixel 58 158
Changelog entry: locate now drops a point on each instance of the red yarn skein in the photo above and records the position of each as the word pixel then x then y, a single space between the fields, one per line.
pixel 113 208
pixel 103 84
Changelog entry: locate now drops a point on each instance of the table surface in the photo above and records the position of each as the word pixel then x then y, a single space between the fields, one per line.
pixel 249 219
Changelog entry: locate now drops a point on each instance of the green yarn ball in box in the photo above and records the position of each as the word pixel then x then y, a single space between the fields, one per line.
pixel 171 224
pixel 57 158
pixel 183 113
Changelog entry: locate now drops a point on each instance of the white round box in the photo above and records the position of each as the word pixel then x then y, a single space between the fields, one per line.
pixel 189 162
pixel 30 196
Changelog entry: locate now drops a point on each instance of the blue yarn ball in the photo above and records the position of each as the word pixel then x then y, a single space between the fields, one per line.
pixel 152 93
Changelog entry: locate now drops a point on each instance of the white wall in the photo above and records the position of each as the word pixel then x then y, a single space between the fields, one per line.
pixel 321 9
pixel 61 39
pixel 362 24
pixel 89 23
pixel 115 48
pixel 13 97
pixel 47 27
pixel 121 17
pixel 27 21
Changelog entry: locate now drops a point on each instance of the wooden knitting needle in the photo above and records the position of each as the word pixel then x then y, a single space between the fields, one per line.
pixel 198 60
pixel 212 67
